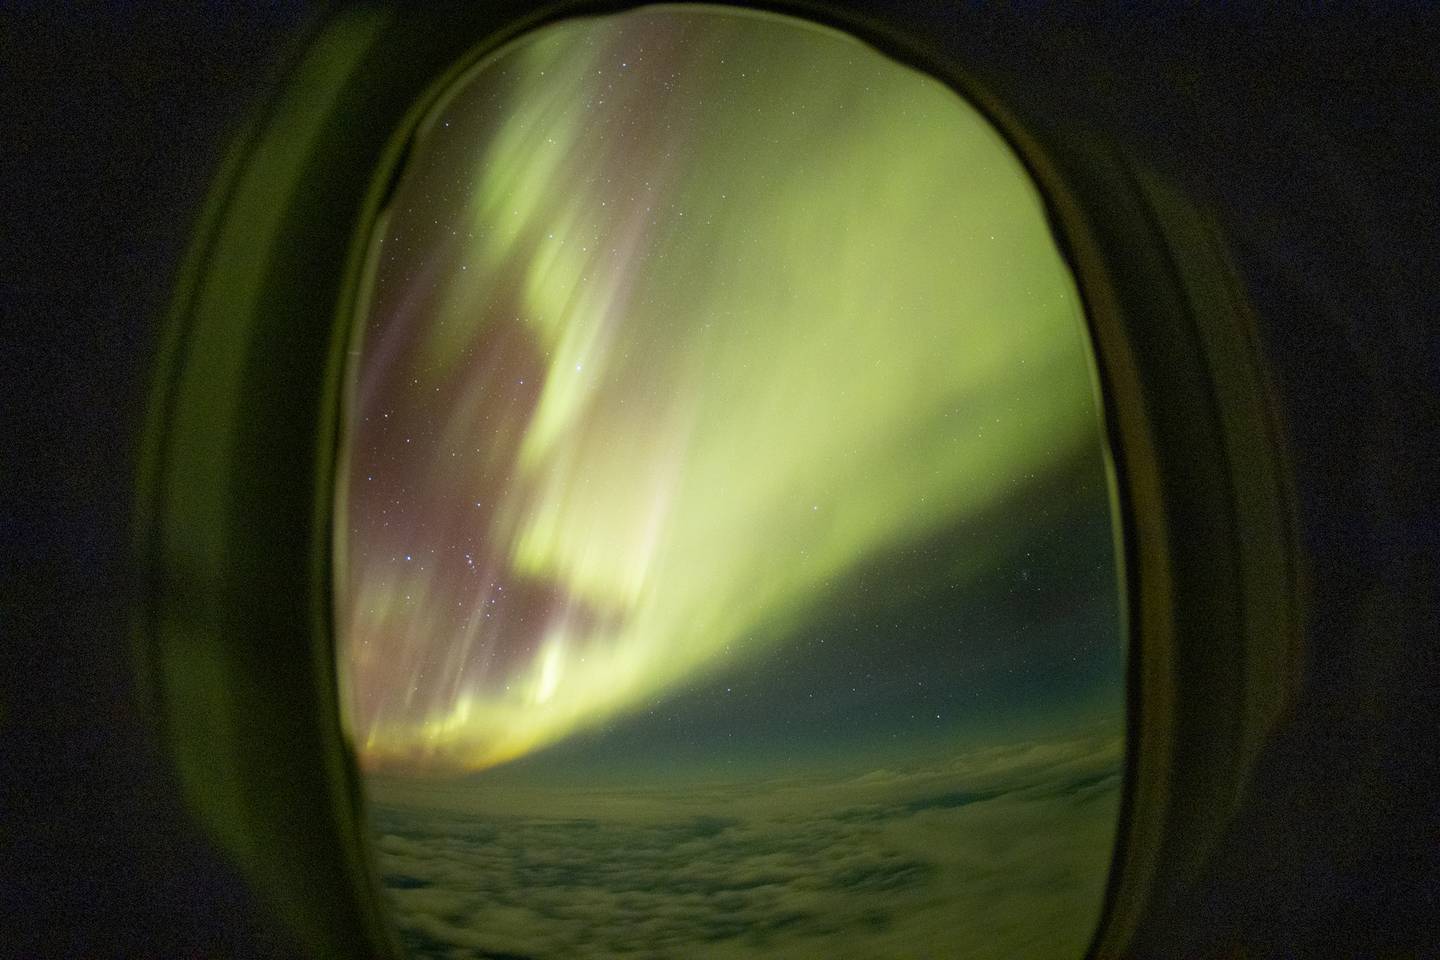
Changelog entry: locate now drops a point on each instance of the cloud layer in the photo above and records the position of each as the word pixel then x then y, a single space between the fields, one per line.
pixel 998 854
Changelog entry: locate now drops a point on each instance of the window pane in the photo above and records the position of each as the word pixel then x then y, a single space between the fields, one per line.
pixel 726 542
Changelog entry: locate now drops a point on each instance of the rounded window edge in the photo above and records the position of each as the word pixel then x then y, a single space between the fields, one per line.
pixel 1071 170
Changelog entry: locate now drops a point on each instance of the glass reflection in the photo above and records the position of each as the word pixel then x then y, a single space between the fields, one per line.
pixel 726 534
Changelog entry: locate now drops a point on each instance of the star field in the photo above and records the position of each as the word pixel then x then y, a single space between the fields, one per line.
pixel 721 395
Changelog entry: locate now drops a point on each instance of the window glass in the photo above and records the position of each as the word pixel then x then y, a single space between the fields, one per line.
pixel 725 542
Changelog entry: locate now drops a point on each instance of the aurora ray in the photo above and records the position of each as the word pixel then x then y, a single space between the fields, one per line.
pixel 672 328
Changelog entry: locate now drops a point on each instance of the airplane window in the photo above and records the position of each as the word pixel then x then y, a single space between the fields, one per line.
pixel 726 544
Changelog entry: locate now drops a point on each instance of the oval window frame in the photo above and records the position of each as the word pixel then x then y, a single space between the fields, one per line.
pixel 233 622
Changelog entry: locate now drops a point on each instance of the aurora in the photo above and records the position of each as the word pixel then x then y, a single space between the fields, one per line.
pixel 677 322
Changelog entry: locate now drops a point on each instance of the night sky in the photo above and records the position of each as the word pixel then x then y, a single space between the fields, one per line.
pixel 721 400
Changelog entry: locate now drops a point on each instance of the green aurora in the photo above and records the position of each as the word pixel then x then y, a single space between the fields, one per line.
pixel 679 320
